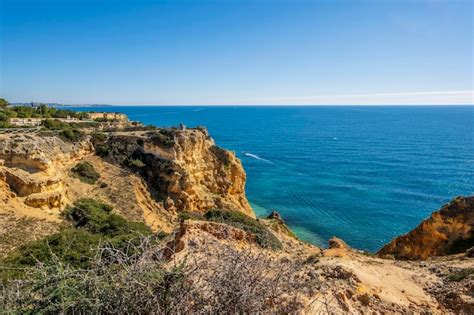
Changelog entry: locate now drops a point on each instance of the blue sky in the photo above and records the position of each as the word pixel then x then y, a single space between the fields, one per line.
pixel 237 52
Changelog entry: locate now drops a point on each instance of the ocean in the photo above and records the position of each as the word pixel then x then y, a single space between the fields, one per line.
pixel 363 174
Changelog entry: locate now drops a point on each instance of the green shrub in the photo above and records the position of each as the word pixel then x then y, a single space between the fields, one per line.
pixel 54 124
pixel 97 217
pixel 86 172
pixel 136 127
pixel 113 283
pixel 164 137
pixel 3 116
pixel 136 163
pixel 23 111
pixel 68 132
pixel 102 150
pixel 5 124
pixel 98 137
pixel 73 246
pixel 72 135
pixel 263 236
pixel 461 274
pixel 93 223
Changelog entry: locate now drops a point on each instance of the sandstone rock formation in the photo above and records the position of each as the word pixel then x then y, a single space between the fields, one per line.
pixel 184 168
pixel 447 231
pixel 32 167
pixel 181 170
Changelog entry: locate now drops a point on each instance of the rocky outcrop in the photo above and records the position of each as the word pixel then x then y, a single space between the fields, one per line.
pixel 33 153
pixel 25 184
pixel 191 230
pixel 335 242
pixel 34 168
pixel 50 199
pixel 183 167
pixel 448 231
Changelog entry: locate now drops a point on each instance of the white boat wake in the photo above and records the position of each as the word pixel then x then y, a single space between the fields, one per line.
pixel 254 156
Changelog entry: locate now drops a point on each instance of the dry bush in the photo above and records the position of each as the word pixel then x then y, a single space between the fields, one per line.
pixel 128 280
pixel 249 281
pixel 137 280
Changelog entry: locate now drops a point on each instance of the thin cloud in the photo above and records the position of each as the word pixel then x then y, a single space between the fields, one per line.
pixel 464 97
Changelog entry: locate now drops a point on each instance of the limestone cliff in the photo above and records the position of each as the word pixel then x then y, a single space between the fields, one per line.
pixel 183 168
pixel 448 231
pixel 146 177
pixel 32 167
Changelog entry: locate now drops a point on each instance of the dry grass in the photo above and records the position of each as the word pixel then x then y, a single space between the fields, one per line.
pixel 137 280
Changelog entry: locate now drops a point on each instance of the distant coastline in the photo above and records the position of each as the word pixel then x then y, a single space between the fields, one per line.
pixel 57 104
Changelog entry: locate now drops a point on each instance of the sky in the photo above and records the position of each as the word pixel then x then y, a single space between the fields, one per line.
pixel 227 52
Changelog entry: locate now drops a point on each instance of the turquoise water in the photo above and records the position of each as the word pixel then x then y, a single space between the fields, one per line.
pixel 364 174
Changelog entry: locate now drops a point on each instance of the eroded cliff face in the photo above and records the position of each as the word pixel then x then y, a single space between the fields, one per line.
pixel 183 168
pixel 33 168
pixel 448 231
pixel 147 177
pixel 34 185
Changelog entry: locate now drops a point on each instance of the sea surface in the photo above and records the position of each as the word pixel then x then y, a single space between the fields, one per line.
pixel 364 174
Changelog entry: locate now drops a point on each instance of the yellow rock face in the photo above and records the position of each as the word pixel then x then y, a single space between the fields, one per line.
pixel 448 231
pixel 186 169
pixel 192 174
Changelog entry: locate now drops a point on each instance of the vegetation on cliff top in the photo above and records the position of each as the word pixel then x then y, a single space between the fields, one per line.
pixel 163 137
pixel 41 111
pixel 67 131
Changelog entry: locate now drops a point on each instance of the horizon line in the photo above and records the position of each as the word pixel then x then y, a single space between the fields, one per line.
pixel 416 98
pixel 249 105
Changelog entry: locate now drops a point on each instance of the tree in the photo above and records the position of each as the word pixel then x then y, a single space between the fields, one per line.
pixel 3 103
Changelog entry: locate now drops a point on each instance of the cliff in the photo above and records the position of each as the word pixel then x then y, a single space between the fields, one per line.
pixel 184 169
pixel 33 168
pixel 148 177
pixel 447 231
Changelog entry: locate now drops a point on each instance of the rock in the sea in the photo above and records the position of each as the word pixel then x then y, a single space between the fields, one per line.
pixel 335 242
pixel 274 215
pixel 447 231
